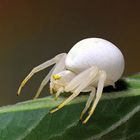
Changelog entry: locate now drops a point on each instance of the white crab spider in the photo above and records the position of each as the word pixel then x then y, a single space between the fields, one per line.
pixel 91 63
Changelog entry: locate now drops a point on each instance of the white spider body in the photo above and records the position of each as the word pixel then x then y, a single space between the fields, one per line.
pixel 91 63
pixel 96 52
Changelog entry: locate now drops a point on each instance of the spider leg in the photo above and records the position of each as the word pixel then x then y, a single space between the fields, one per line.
pixel 88 103
pixel 102 78
pixel 60 66
pixel 83 75
pixel 88 75
pixel 109 82
pixel 43 83
pixel 61 90
pixel 39 68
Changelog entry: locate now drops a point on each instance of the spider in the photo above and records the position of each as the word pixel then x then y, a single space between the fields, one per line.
pixel 89 66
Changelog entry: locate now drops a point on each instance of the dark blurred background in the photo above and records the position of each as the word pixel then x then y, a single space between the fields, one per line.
pixel 32 32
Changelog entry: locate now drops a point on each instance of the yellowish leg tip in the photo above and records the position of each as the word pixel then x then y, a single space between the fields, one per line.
pixel 18 93
pixel 20 87
pixel 60 106
pixel 34 98
pixel 86 120
pixel 52 111
pixel 37 95
pixel 83 122
pixel 81 116
pixel 91 112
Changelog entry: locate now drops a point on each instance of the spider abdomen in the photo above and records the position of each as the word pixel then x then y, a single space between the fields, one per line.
pixel 99 52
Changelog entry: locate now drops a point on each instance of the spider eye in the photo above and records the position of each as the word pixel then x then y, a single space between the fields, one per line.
pixel 56 76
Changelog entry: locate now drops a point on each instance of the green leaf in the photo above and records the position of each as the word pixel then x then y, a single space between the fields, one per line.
pixel 116 117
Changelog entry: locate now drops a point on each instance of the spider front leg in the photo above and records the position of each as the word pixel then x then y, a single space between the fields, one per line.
pixel 60 66
pixel 88 76
pixel 102 78
pixel 39 68
pixel 43 83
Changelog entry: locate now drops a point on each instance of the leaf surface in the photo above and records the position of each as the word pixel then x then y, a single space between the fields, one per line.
pixel 116 117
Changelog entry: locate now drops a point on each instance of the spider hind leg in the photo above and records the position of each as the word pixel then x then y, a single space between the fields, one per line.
pixel 88 103
pixel 102 78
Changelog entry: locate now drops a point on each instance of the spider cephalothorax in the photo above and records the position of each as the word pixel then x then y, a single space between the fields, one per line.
pixel 91 63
